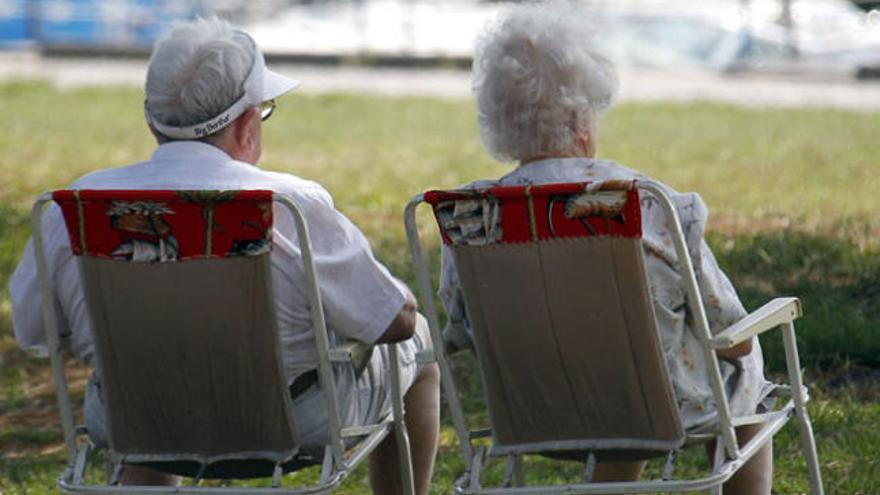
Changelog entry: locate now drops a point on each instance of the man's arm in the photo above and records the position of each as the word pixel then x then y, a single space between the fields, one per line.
pixel 404 324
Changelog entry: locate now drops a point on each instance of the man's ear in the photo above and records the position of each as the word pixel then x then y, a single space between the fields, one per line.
pixel 158 137
pixel 241 140
pixel 246 131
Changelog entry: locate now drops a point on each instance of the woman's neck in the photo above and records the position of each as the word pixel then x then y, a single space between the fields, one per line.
pixel 544 156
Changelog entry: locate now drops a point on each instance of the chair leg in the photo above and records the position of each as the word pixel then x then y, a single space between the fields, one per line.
pixel 403 449
pixel 669 466
pixel 716 465
pixel 403 452
pixel 477 468
pixel 513 472
pixel 809 445
pixel 82 459
pixel 519 473
pixel 590 468
pixel 116 474
pixel 327 464
pixel 800 407
pixel 507 479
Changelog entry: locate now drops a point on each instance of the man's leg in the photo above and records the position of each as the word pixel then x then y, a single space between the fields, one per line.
pixel 422 416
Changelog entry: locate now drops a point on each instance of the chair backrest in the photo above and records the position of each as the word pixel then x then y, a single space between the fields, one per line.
pixel 556 291
pixel 178 287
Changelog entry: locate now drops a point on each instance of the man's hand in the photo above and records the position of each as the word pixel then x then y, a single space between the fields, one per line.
pixel 404 324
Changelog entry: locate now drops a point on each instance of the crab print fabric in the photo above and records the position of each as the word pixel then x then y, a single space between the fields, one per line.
pixel 165 226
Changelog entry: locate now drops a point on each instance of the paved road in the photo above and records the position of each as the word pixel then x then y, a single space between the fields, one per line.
pixel 636 85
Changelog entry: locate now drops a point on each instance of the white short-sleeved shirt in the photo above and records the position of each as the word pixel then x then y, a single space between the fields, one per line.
pixel 744 377
pixel 360 296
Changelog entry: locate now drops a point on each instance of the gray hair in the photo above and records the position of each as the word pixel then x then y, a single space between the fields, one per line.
pixel 197 71
pixel 537 79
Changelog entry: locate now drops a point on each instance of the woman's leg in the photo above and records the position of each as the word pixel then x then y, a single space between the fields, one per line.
pixel 618 471
pixel 756 476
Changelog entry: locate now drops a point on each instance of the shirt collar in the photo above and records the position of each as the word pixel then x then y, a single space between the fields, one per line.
pixel 174 150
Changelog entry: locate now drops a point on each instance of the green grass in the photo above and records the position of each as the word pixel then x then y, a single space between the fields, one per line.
pixel 792 195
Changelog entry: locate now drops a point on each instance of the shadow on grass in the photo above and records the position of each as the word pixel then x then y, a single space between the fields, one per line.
pixel 837 282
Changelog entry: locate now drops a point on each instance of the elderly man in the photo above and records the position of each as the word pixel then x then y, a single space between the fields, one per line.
pixel 208 92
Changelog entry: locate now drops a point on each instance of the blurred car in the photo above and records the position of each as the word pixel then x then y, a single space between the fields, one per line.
pixel 824 36
pixel 867 5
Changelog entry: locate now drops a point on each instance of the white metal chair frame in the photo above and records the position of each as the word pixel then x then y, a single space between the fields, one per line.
pixel 729 456
pixel 337 463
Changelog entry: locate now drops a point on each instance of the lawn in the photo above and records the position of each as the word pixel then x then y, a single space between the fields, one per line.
pixel 792 195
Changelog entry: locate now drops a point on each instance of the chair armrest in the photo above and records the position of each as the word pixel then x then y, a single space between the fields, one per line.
pixel 350 351
pixel 774 313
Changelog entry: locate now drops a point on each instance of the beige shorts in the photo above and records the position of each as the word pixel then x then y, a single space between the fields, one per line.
pixel 363 399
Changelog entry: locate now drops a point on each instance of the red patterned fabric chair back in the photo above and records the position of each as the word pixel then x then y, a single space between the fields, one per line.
pixel 518 214
pixel 145 226
pixel 178 287
pixel 555 286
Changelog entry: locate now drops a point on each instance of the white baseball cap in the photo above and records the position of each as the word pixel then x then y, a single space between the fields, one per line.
pixel 260 85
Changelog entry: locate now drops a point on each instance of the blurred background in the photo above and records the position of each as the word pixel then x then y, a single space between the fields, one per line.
pixel 816 36
pixel 752 52
pixel 770 109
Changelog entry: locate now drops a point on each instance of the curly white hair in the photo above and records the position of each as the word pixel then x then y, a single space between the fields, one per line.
pixel 538 79
pixel 197 71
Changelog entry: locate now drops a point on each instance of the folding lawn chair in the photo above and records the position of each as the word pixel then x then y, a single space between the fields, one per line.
pixel 557 294
pixel 178 285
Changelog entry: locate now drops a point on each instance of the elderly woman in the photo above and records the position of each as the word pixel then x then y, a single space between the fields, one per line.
pixel 541 88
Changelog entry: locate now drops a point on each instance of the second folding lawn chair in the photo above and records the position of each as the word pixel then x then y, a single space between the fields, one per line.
pixel 178 285
pixel 557 294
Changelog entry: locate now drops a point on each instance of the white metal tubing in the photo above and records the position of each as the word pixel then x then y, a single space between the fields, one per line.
pixel 66 487
pixel 283 390
pixel 519 474
pixel 721 473
pixel 507 479
pixel 793 363
pixel 718 463
pixel 68 483
pixel 698 316
pixel 760 418
pixel 325 370
pixel 450 391
pixel 768 316
pixel 82 457
pixel 403 448
pixel 50 328
pixel 477 468
pixel 611 487
pixel 359 431
pixel 365 448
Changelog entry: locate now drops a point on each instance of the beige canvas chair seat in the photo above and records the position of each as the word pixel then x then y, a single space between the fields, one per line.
pixel 178 287
pixel 557 294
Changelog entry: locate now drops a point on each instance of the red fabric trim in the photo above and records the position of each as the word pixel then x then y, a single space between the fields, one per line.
pixel 165 225
pixel 548 204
